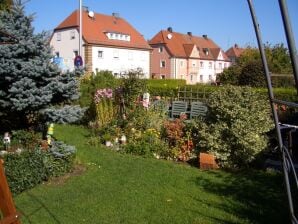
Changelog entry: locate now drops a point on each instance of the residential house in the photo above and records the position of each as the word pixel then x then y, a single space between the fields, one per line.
pixel 185 56
pixel 109 43
pixel 234 52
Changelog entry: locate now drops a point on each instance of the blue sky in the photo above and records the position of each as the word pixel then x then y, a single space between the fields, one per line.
pixel 225 21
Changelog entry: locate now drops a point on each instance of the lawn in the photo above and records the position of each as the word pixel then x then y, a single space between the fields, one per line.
pixel 109 187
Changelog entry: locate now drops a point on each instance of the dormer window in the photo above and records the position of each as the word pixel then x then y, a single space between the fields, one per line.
pixel 206 51
pixel 117 36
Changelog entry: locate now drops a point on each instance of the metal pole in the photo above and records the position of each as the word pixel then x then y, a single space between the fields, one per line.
pixel 271 96
pixel 290 38
pixel 80 28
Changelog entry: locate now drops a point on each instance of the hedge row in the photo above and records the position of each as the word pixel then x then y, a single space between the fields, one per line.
pixel 168 88
pixel 28 168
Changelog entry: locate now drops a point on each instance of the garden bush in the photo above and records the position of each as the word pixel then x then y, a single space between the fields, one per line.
pixel 27 168
pixel 236 125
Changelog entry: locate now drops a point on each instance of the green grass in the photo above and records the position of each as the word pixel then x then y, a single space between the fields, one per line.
pixel 117 188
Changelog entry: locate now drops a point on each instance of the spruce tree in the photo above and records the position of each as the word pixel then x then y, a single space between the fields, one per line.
pixel 30 84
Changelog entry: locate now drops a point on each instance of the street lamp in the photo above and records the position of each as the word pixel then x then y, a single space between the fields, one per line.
pixel 80 28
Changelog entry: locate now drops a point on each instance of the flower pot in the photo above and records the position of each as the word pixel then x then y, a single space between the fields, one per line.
pixel 207 161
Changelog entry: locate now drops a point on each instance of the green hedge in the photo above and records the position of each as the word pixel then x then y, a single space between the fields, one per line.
pixel 28 168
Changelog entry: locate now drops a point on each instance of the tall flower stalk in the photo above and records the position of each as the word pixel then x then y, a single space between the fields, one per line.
pixel 103 100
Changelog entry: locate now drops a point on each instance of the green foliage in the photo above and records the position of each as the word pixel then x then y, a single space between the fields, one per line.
pixel 5 4
pixel 133 86
pixel 29 81
pixel 148 145
pixel 249 69
pixel 283 81
pixel 28 168
pixel 25 170
pixel 165 87
pixel 59 159
pixel 229 75
pixel 252 74
pixel 236 125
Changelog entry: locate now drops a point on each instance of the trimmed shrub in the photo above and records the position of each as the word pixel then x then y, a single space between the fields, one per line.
pixel 236 125
pixel 25 170
pixel 28 168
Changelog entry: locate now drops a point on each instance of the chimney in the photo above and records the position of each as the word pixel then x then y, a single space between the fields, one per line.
pixel 236 45
pixel 189 33
pixel 116 15
pixel 205 36
pixel 170 29
pixel 85 8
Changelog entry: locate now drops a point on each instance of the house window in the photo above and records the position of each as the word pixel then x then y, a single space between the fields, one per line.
pixel 191 77
pixel 72 34
pixel 162 64
pixel 225 65
pixel 100 54
pixel 181 63
pixel 193 64
pixel 210 77
pixel 220 65
pixel 160 49
pixel 75 53
pixel 162 76
pixel 201 78
pixel 111 35
pixel 116 54
pixel 59 36
pixel 210 65
pixel 202 64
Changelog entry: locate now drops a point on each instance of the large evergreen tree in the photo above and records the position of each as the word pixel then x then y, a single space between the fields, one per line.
pixel 5 4
pixel 30 84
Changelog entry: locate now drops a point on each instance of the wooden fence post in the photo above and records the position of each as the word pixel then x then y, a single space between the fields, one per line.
pixel 7 207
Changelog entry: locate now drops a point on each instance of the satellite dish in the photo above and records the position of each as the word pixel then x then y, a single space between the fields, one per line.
pixel 91 14
pixel 169 36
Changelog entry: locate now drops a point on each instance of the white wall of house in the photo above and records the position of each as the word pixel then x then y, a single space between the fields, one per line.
pixel 120 60
pixel 65 43
pixel 207 71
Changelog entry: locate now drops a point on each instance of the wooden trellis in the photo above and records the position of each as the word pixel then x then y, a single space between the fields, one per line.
pixel 191 94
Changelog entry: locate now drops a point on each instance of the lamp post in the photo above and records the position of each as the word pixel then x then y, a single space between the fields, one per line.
pixel 80 28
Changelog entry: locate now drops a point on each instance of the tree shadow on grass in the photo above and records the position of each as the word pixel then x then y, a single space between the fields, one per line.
pixel 252 195
pixel 41 207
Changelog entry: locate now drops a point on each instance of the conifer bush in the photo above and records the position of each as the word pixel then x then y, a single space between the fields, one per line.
pixel 29 81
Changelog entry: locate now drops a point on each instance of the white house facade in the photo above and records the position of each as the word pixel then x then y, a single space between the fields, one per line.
pixel 109 43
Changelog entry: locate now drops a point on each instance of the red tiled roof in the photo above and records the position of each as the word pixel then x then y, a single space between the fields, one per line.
pixel 177 42
pixel 234 51
pixel 94 30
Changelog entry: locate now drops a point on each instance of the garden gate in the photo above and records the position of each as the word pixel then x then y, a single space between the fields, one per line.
pixel 289 171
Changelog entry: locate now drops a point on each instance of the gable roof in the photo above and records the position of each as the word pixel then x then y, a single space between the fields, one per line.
pixel 234 51
pixel 179 45
pixel 95 29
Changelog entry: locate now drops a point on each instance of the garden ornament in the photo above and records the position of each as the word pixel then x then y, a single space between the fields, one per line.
pixel 146 100
pixel 123 139
pixel 6 139
pixel 50 133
